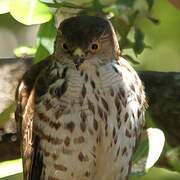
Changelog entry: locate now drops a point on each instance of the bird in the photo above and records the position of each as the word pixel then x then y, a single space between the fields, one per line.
pixel 80 111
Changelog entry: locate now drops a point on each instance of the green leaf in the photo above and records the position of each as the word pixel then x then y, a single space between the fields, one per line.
pixel 9 168
pixel 153 20
pixel 125 43
pixel 30 12
pixel 78 2
pixel 5 115
pixel 130 59
pixel 18 176
pixel 4 6
pixel 45 40
pixel 158 174
pixel 122 27
pixel 107 2
pixel 24 51
pixel 141 151
pixel 156 140
pixel 139 41
pixel 148 152
pixel 126 2
pixel 150 3
pixel 41 54
pixel 47 1
pixel 173 157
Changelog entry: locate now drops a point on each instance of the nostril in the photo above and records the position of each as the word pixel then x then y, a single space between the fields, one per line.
pixel 78 62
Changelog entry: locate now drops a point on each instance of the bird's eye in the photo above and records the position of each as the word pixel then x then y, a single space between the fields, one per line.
pixel 94 47
pixel 64 46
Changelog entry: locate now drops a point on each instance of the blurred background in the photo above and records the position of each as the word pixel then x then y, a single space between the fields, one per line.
pixel 163 38
pixel 162 54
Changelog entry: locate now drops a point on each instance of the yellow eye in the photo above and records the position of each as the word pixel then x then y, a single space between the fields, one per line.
pixel 94 47
pixel 65 46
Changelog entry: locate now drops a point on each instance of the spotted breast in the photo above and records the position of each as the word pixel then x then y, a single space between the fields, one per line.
pixel 84 124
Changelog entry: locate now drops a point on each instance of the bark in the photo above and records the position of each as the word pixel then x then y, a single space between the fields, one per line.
pixel 162 90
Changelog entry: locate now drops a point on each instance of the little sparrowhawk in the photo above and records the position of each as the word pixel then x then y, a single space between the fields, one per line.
pixel 81 110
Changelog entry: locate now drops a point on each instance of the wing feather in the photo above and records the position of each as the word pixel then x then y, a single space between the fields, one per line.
pixel 24 115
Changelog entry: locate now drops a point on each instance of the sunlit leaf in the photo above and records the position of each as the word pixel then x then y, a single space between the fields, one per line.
pixel 148 152
pixel 158 174
pixel 113 9
pixel 18 176
pixel 45 40
pixel 48 1
pixel 4 6
pixel 9 168
pixel 24 51
pixel 30 11
pixel 156 140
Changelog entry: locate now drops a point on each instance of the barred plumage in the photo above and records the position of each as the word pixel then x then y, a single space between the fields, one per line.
pixel 80 121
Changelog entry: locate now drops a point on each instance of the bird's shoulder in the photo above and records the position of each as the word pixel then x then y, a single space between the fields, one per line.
pixel 27 82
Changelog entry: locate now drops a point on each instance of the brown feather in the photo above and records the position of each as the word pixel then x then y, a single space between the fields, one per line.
pixel 24 118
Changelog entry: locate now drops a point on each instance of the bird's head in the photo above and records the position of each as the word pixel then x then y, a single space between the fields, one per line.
pixel 85 40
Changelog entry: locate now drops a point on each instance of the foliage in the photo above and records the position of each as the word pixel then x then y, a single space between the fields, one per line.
pixel 27 12
pixel 45 40
pixel 147 152
pixel 6 114
pixel 122 13
pixel 24 51
pixel 10 167
pixel 173 156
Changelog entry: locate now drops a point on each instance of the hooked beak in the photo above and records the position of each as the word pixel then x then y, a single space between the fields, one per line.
pixel 79 57
pixel 78 62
